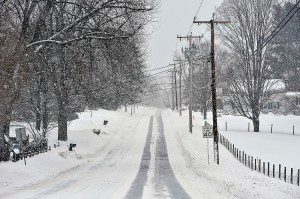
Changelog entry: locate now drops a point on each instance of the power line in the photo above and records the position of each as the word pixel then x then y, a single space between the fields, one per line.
pixel 161 72
pixel 284 21
pixel 274 31
pixel 156 69
pixel 195 16
pixel 163 67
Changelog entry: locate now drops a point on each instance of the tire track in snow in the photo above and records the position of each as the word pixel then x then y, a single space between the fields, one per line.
pixel 137 187
pixel 164 177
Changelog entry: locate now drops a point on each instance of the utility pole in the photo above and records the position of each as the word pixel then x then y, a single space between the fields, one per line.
pixel 213 83
pixel 173 93
pixel 190 38
pixel 180 86
pixel 176 93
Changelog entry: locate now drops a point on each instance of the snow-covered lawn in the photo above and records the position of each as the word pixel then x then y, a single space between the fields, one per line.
pixel 230 179
pixel 90 146
pixel 281 124
pixel 280 147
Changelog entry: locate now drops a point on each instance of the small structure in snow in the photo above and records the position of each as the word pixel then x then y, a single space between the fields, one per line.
pixel 97 131
pixel 71 146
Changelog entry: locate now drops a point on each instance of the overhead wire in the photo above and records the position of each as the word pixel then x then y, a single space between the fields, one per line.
pixel 157 68
pixel 195 16
pixel 278 28
pixel 275 31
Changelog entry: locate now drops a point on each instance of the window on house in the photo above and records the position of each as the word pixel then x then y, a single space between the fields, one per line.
pixel 297 101
pixel 273 105
pixel 276 105
pixel 270 105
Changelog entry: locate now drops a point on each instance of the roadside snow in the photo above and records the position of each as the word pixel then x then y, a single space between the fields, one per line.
pixel 279 147
pixel 231 179
pixel 90 147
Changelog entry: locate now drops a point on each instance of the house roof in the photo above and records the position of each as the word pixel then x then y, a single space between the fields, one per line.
pixel 276 84
pixel 292 94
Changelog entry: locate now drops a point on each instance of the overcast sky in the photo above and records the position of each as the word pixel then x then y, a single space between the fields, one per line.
pixel 175 17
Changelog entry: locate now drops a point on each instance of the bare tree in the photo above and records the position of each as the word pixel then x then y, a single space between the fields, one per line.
pixel 54 30
pixel 251 24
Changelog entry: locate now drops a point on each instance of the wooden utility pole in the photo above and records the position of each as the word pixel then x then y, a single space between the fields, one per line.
pixel 213 83
pixel 190 38
pixel 176 93
pixel 173 93
pixel 180 86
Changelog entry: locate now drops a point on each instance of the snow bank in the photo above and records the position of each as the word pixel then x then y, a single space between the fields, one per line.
pixel 230 179
pixel 59 160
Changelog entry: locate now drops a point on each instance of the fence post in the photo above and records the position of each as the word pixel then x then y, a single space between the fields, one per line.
pixel 249 161
pixel 248 126
pixel 255 164
pixel 226 126
pixel 271 128
pixel 293 129
pixel 268 168
pixel 279 170
pixel 240 159
pixel 245 163
pixel 252 162
pixel 284 174
pixel 273 170
pixel 264 168
pixel 243 157
pixel 222 139
pixel 298 177
pixel 292 175
pixel 233 151
pixel 259 165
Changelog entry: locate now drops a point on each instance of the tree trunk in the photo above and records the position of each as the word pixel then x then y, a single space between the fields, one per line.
pixel 4 148
pixel 38 118
pixel 255 120
pixel 62 114
pixel 62 123
pixel 45 117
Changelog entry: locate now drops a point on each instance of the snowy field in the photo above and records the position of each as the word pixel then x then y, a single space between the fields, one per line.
pixel 280 147
pixel 149 155
pixel 281 124
pixel 229 180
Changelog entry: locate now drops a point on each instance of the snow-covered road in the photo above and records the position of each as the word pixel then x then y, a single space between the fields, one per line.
pixel 153 156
